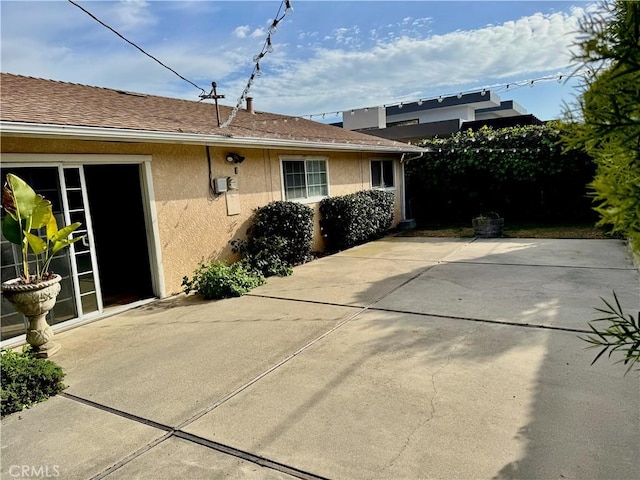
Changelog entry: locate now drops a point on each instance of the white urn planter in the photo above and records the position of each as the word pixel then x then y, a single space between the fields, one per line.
pixel 34 301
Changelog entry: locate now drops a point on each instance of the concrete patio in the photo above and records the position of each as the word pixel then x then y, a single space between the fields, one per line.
pixel 405 358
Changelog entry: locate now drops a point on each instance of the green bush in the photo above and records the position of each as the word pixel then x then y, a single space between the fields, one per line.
pixel 279 238
pixel 605 120
pixel 521 172
pixel 356 218
pixel 27 380
pixel 265 255
pixel 217 280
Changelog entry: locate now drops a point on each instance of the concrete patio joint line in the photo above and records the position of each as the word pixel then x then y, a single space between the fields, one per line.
pixel 484 320
pixel 270 370
pixel 175 432
pixel 586 267
pixel 115 411
pixel 132 457
pixel 249 457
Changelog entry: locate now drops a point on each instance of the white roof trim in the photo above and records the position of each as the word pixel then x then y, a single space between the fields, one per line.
pixel 101 133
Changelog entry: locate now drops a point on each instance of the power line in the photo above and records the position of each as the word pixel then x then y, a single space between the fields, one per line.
pixel 134 45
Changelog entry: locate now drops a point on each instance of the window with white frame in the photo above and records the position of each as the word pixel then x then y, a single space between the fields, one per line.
pixel 305 178
pixel 382 174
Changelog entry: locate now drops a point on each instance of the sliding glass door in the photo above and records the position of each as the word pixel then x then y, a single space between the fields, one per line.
pixel 80 289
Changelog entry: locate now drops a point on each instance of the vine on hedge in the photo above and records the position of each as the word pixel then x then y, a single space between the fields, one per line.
pixel 521 172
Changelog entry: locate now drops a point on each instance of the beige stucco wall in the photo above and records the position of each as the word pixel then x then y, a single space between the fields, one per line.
pixel 193 224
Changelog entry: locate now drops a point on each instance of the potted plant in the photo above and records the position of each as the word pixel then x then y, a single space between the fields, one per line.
pixel 34 293
pixel 488 225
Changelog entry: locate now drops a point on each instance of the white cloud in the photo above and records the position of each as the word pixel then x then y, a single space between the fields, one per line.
pixel 242 31
pixel 132 14
pixel 342 78
pixel 346 36
pixel 350 68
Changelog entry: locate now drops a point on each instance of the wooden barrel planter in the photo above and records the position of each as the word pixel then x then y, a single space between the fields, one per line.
pixel 488 225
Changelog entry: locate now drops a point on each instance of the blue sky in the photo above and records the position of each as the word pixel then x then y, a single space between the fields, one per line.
pixel 328 56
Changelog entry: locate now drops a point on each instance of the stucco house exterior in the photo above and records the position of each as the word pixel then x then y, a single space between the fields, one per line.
pixel 159 186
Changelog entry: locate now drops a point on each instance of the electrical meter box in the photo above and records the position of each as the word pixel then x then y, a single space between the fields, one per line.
pixel 220 184
pixel 232 183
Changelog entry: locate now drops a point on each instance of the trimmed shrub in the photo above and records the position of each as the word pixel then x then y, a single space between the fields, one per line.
pixel 27 380
pixel 279 238
pixel 356 218
pixel 217 280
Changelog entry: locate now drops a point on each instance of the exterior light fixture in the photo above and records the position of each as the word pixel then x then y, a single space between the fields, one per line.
pixel 234 158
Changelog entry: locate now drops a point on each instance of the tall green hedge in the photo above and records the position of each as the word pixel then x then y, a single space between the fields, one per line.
pixel 356 218
pixel 520 172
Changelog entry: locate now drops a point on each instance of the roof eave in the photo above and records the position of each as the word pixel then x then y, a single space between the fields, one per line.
pixel 38 130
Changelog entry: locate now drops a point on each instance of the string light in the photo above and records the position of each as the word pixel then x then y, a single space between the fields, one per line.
pixel 267 47
pixel 288 8
pixel 273 27
pixel 483 91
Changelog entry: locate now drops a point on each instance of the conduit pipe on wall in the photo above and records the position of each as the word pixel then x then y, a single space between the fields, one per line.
pixel 212 190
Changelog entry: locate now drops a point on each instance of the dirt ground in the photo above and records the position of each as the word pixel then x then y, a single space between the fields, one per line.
pixel 515 231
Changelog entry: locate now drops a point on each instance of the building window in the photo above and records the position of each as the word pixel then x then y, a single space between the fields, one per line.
pixel 382 174
pixel 305 179
pixel 403 123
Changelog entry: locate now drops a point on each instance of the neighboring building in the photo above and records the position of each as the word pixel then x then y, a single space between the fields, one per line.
pixel 158 186
pixel 415 121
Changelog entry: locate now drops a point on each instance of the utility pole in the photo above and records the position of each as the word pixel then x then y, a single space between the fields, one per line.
pixel 213 95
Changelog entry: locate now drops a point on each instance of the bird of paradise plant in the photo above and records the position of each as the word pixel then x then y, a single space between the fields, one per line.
pixel 27 214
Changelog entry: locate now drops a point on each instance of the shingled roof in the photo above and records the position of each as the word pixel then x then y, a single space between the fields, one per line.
pixel 38 107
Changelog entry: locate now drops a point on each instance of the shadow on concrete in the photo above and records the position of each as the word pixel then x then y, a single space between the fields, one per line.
pixel 580 421
pixel 583 420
